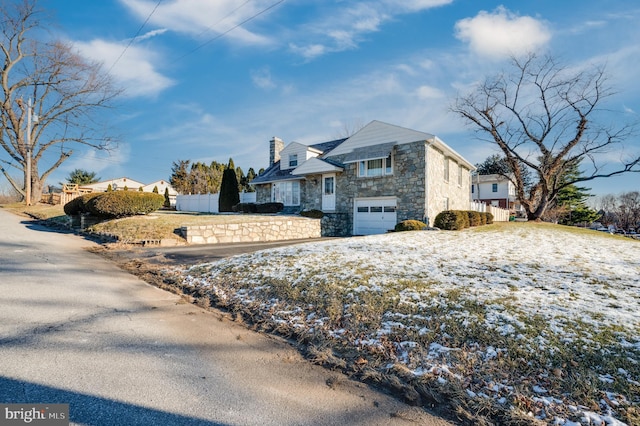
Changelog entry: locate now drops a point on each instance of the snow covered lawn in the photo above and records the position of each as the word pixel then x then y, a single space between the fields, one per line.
pixel 510 322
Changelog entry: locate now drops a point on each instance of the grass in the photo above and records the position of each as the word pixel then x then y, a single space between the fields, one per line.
pixel 422 332
pixel 426 335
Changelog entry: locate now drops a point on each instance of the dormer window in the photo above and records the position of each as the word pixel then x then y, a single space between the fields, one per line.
pixel 293 160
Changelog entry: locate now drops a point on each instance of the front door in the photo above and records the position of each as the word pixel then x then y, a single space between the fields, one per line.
pixel 328 192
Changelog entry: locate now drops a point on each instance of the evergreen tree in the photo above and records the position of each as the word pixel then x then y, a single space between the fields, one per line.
pixel 572 199
pixel 155 189
pixel 82 177
pixel 167 200
pixel 180 176
pixel 229 196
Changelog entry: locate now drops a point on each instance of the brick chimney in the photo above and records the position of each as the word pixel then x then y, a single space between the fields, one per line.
pixel 275 146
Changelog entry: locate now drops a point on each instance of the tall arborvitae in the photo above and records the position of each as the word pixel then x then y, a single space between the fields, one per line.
pixel 229 196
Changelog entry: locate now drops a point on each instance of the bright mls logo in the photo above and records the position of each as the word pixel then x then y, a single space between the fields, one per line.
pixel 34 414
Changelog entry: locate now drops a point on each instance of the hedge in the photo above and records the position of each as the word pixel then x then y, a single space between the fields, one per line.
pixel 410 225
pixel 313 213
pixel 474 218
pixel 79 204
pixel 459 219
pixel 269 207
pixel 115 203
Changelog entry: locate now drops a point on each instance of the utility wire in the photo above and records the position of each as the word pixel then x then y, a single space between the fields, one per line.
pixel 135 36
pixel 231 29
pixel 210 28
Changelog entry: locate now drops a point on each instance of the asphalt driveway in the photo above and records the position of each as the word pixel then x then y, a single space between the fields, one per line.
pixel 75 329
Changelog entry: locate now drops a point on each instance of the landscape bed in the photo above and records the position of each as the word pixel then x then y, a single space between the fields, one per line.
pixel 507 324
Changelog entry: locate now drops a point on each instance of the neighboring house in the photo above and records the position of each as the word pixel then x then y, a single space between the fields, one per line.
pixel 495 190
pixel 116 185
pixel 120 184
pixel 367 183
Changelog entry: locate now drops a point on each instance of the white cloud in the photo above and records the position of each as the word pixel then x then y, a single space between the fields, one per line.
pixel 502 33
pixel 309 51
pixel 203 19
pixel 262 79
pixel 429 92
pixel 135 71
pixel 344 28
pixel 416 5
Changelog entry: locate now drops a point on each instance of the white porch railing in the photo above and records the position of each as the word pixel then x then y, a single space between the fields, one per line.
pixel 207 203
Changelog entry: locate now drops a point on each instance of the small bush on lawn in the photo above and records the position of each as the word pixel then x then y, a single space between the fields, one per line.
pixel 489 218
pixel 124 203
pixel 269 207
pixel 79 204
pixel 245 208
pixel 474 218
pixel 483 218
pixel 452 220
pixel 410 225
pixel 314 213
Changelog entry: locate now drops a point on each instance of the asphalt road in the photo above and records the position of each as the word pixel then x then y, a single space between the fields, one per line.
pixel 76 329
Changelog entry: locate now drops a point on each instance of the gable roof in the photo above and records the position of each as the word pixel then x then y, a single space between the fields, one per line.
pixel 274 174
pixel 379 134
pixel 315 166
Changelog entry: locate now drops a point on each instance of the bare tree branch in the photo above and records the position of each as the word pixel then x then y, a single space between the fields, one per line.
pixel 65 89
pixel 543 116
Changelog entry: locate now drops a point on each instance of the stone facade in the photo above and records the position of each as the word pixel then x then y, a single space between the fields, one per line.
pixel 419 184
pixel 277 229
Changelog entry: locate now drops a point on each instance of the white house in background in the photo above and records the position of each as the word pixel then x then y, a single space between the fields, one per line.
pixel 495 190
pixel 117 184
pixel 120 184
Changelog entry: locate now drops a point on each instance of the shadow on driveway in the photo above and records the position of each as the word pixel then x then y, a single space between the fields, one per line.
pixel 92 410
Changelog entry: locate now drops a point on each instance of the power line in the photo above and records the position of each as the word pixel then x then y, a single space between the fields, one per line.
pixel 210 28
pixel 231 29
pixel 135 36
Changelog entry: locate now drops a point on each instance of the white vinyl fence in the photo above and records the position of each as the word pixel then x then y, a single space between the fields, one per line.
pixel 499 215
pixel 207 203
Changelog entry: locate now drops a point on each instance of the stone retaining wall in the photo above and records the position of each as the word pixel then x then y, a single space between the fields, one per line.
pixel 278 228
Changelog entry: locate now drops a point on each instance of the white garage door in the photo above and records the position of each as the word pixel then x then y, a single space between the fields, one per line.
pixel 374 215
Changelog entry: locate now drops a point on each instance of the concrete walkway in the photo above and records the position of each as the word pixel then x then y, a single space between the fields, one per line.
pixel 76 329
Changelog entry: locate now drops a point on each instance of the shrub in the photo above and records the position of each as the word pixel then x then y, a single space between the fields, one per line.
pixel 79 204
pixel 124 203
pixel 474 218
pixel 489 217
pixel 483 218
pixel 167 200
pixel 229 196
pixel 410 225
pixel 314 213
pixel 452 220
pixel 269 207
pixel 245 207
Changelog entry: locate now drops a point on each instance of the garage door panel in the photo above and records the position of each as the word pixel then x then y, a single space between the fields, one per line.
pixel 374 215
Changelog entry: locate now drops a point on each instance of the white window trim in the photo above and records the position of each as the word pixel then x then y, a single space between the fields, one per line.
pixel 293 160
pixel 385 170
pixel 287 193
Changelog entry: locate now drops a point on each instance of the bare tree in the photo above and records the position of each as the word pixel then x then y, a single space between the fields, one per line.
pixel 543 117
pixel 49 98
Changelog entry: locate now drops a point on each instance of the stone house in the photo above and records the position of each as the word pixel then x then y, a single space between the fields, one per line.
pixel 367 183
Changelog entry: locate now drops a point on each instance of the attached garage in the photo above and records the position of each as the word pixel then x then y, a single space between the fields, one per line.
pixel 374 215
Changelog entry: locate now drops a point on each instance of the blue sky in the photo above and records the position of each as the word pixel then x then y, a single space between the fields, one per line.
pixel 208 80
